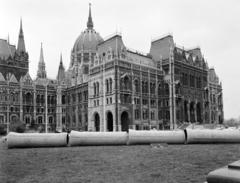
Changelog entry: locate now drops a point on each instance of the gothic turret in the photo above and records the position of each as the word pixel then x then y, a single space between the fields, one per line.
pixel 21 42
pixel 61 72
pixel 41 73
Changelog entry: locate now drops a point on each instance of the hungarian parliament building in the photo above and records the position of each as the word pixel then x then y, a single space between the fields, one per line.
pixel 109 87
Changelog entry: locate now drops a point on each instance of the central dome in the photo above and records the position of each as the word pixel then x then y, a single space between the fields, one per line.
pixel 89 38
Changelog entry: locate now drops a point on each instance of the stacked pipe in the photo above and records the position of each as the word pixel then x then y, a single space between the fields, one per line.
pixel 211 136
pixel 75 138
pixel 36 139
pixel 148 137
pixel 97 138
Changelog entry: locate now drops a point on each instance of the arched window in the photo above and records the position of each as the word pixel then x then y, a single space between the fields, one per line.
pixel 200 82
pixel 73 98
pixel 167 115
pixel 136 85
pixel 107 86
pixel 159 115
pixel 159 89
pixel 146 87
pixel 178 114
pixel 214 98
pixel 153 88
pixel 52 100
pixel 166 89
pixel 126 83
pixel 145 115
pixel 42 99
pixel 193 80
pixel 177 88
pixel 197 82
pixel 110 85
pixel 152 115
pixel 190 77
pixel 63 120
pixel 48 99
pixel 97 90
pixel 40 120
pixel 94 89
pixel 50 120
pixel 137 116
pixel 85 95
pixel 186 79
pixel 2 119
pixel 38 99
pixel 80 96
pixel 16 97
pixel 27 119
pixel 143 91
pixel 151 91
pixel 28 98
pixel 63 99
pixel 11 97
pixel 183 79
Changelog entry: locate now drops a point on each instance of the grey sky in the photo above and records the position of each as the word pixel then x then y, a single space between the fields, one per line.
pixel 213 25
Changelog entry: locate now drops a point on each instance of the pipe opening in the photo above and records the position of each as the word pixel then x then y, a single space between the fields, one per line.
pixel 185 133
pixel 67 139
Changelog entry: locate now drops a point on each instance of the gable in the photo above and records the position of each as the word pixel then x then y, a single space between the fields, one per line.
pixel 13 80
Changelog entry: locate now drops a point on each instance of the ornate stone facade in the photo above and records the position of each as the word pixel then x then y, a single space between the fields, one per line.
pixel 109 87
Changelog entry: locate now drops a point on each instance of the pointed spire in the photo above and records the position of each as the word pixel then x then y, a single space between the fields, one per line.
pixel 61 71
pixel 21 42
pixel 41 59
pixel 90 22
pixel 21 31
pixel 61 64
pixel 41 73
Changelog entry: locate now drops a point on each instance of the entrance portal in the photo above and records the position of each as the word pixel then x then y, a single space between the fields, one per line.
pixel 199 119
pixel 97 122
pixel 125 121
pixel 192 113
pixel 109 122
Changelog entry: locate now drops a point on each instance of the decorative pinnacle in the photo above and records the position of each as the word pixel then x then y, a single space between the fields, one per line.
pixel 61 59
pixel 41 60
pixel 90 22
pixel 21 30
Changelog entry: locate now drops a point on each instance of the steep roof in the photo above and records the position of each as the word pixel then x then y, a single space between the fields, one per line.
pixel 6 50
pixel 39 82
pixel 161 47
pixel 114 42
pixel 2 79
pixel 196 52
pixel 26 79
pixel 13 80
pixel 213 76
pixel 139 59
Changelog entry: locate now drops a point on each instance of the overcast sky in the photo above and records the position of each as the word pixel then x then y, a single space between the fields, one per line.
pixel 213 25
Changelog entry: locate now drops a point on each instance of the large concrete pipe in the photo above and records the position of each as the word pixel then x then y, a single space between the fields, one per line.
pixel 211 136
pixel 230 173
pixel 97 138
pixel 148 137
pixel 36 139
